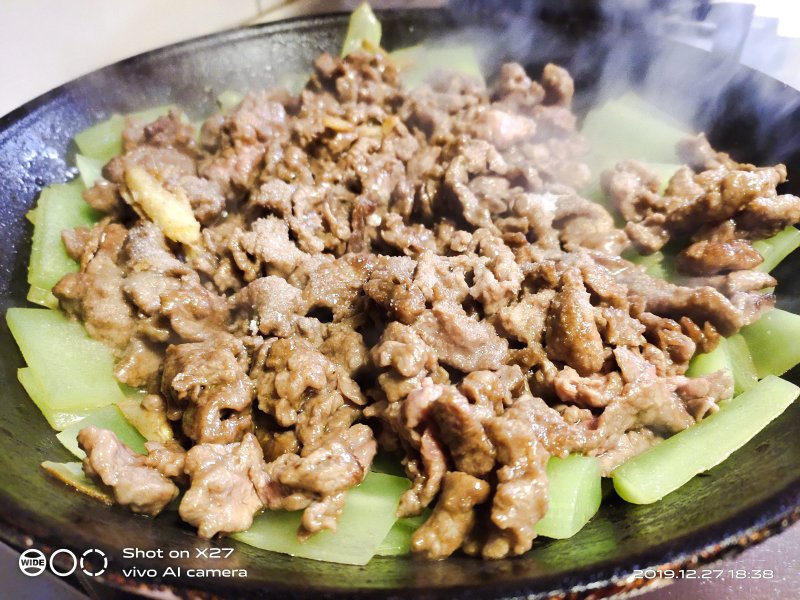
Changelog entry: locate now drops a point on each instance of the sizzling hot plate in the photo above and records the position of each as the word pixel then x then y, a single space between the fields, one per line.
pixel 744 500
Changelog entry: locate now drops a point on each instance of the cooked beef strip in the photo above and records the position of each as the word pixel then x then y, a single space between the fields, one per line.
pixel 453 517
pixel 411 271
pixel 133 482
pixel 222 496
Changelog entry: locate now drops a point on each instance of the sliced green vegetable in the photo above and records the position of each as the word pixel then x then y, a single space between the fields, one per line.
pixel 398 541
pixel 153 426
pixel 72 474
pixel 75 372
pixel 31 216
pixel 418 63
pixel 42 297
pixel 60 207
pixel 574 495
pixel 228 100
pixel 363 26
pixel 630 127
pixel 107 417
pixel 778 247
pixel 774 342
pixel 710 362
pixel 667 466
pixel 367 518
pixel 58 419
pixel 103 141
pixel 745 376
pixel 90 169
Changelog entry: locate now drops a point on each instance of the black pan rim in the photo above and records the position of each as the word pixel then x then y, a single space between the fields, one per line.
pixel 724 539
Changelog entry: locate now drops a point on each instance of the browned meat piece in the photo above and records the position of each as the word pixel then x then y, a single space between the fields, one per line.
pixel 170 131
pixel 493 391
pixel 521 496
pixel 222 497
pixel 594 391
pixel 205 198
pixel 571 335
pixel 265 250
pixel 459 340
pixel 526 319
pixel 94 295
pixel 618 328
pixel 337 285
pixel 270 305
pixel 583 223
pixel 765 216
pixel 168 459
pixel 167 165
pixel 452 518
pixel 140 364
pixel 427 473
pixel 497 281
pixel 558 85
pixel 515 88
pixel 338 465
pixel 207 387
pixel 649 401
pixel 629 445
pixel 709 258
pixel 317 481
pixel 289 372
pixel 404 350
pixel 135 484
pixel 700 304
pixel 698 200
pixel 104 197
pixel 391 286
pixel 75 241
pixel 702 394
pixel 460 430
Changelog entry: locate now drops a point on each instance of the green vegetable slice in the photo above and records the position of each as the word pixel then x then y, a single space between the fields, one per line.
pixel 398 541
pixel 58 419
pixel 667 466
pixel 711 362
pixel 367 518
pixel 744 372
pixel 60 207
pixel 228 100
pixel 107 417
pixel 74 371
pixel 630 127
pixel 418 63
pixel 152 426
pixel 45 298
pixel 103 141
pixel 363 26
pixel 90 169
pixel 574 496
pixel 774 342
pixel 72 474
pixel 776 248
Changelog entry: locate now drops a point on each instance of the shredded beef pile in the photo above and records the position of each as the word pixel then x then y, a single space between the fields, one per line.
pixel 411 272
